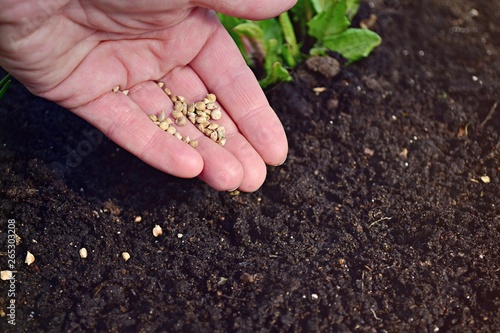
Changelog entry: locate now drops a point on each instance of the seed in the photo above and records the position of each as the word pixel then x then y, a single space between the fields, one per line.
pixel 167 91
pixel 164 125
pixel 181 99
pixel 191 107
pixel 200 106
pixel 161 116
pixel 157 231
pixel 173 98
pixel 207 132
pixel 137 219
pixel 211 106
pixel 193 143
pixel 6 275
pixel 161 84
pixel 30 258
pixel 125 256
pixel 125 92
pixel 116 89
pixel 221 131
pixel 83 253
pixel 216 114
pixel 213 126
pixel 201 120
pixel 186 139
pixel 192 119
pixel 213 136
pixel 211 97
pixel 171 130
pixel 181 121
pixel 222 142
pixel 153 117
pixel 177 114
pixel 178 135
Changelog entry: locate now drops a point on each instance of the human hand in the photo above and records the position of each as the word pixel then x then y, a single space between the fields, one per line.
pixel 74 52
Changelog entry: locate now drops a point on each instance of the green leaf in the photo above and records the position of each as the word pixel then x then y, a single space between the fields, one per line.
pixel 273 65
pixel 255 46
pixel 329 22
pixel 352 7
pixel 353 44
pixel 277 73
pixel 290 50
pixel 4 85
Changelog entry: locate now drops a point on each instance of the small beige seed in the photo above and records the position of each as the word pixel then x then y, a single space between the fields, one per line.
pixel 161 84
pixel 201 127
pixel 211 97
pixel 213 136
pixel 181 121
pixel 200 106
pixel 191 107
pixel 177 114
pixel 30 258
pixel 207 132
pixel 211 106
pixel 192 119
pixel 201 120
pixel 213 126
pixel 6 275
pixel 137 219
pixel 164 125
pixel 116 89
pixel 157 231
pixel 173 98
pixel 153 117
pixel 181 99
pixel 178 106
pixel 125 92
pixel 125 256
pixel 216 114
pixel 222 142
pixel 167 91
pixel 186 139
pixel 83 253
pixel 169 121
pixel 161 116
pixel 178 135
pixel 171 130
pixel 205 100
pixel 193 143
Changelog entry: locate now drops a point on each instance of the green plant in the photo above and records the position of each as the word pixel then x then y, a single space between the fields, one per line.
pixel 4 84
pixel 271 46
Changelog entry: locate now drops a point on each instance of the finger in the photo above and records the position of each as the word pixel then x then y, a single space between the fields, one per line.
pixel 253 10
pixel 237 165
pixel 222 68
pixel 127 124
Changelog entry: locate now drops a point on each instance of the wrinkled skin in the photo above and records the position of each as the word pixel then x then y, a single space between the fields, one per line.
pixel 74 53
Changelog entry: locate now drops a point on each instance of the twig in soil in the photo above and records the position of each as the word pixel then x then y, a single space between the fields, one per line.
pixel 490 115
pixel 375 315
pixel 379 220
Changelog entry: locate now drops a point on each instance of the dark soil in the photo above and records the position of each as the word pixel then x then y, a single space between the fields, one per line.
pixel 381 220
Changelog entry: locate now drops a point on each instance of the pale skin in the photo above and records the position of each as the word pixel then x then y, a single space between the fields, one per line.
pixel 74 52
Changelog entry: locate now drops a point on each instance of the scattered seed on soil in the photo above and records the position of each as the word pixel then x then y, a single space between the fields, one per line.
pixel 83 253
pixel 125 256
pixel 30 258
pixel 6 275
pixel 157 231
pixel 137 219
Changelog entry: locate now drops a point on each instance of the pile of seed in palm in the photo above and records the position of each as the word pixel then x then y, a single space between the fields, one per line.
pixel 201 114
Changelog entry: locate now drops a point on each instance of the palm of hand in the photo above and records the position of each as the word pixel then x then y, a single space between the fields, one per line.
pixel 187 49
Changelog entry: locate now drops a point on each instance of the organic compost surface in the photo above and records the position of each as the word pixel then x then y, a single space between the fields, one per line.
pixel 385 217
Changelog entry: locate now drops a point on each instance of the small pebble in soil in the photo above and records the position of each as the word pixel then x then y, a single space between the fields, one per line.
pixel 30 258
pixel 157 231
pixel 83 253
pixel 125 256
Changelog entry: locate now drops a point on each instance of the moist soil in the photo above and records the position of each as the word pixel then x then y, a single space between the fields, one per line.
pixel 385 217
